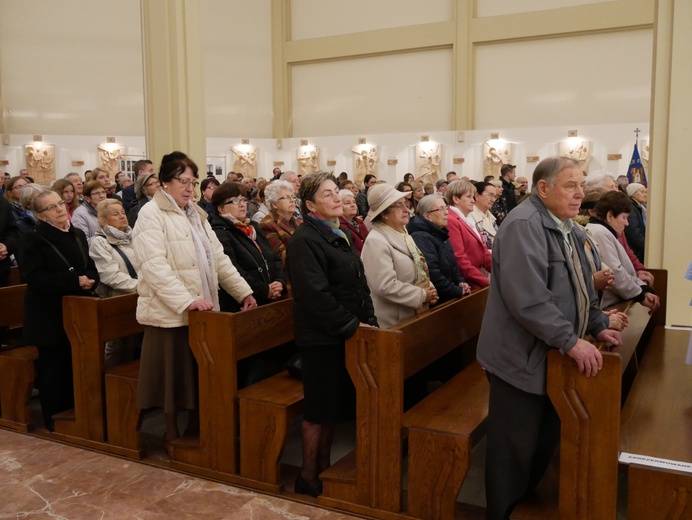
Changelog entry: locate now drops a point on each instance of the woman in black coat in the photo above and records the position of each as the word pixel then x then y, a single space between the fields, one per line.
pixel 246 246
pixel 331 300
pixel 54 262
pixel 429 232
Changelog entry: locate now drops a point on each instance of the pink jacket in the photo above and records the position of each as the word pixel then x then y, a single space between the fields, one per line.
pixel 469 250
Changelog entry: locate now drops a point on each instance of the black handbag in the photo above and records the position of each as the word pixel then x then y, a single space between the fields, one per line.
pixel 295 366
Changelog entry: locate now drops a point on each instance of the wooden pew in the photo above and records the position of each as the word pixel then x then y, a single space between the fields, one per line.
pixel 369 480
pixel 17 372
pixel 218 341
pixel 657 424
pixel 589 410
pixel 89 323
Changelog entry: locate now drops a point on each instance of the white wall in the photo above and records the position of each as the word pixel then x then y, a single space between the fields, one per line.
pixel 501 7
pixel 237 69
pixel 316 18
pixel 590 79
pixel 393 93
pixel 71 67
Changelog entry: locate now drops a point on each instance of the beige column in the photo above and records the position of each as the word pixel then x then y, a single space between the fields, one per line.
pixel 668 234
pixel 173 79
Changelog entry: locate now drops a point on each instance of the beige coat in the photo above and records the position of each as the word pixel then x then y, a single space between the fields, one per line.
pixel 166 262
pixel 390 272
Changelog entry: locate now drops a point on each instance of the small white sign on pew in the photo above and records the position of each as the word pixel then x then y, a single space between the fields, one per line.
pixel 645 460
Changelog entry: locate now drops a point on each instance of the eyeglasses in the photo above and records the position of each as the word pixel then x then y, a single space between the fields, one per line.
pixel 53 207
pixel 490 196
pixel 16 187
pixel 285 197
pixel 236 202
pixel 151 183
pixel 186 182
pixel 398 205
pixel 444 209
pixel 210 187
pixel 98 193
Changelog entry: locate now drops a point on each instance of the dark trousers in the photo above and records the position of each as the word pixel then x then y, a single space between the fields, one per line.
pixel 523 431
pixel 54 370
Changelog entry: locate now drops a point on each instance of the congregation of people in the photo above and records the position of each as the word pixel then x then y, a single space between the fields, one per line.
pixel 351 253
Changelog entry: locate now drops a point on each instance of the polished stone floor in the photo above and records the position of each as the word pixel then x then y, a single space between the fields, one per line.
pixel 42 479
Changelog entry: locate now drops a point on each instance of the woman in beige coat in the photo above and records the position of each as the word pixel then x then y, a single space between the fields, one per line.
pixel 395 268
pixel 180 264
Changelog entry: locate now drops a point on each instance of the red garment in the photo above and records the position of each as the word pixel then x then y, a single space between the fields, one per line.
pixel 358 236
pixel 469 250
pixel 638 266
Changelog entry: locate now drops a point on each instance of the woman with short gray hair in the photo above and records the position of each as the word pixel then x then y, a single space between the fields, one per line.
pixel 280 224
pixel 429 231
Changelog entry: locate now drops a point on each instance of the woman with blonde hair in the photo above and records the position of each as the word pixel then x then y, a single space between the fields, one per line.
pixel 112 253
pixel 68 193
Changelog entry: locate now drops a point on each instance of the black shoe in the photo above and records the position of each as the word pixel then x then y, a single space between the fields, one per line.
pixel 303 487
pixel 50 425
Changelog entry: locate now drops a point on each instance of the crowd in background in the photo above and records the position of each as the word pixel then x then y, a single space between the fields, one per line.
pixel 350 254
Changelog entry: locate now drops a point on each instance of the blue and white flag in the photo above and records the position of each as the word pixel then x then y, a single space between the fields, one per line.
pixel 635 172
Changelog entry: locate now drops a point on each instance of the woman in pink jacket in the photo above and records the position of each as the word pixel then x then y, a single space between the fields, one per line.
pixel 473 257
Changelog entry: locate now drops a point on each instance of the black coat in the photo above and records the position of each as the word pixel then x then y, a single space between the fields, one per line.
pixel 259 269
pixel 636 231
pixel 49 278
pixel 437 250
pixel 330 292
pixel 133 212
pixel 9 235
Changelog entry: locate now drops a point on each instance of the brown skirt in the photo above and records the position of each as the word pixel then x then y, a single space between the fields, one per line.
pixel 167 371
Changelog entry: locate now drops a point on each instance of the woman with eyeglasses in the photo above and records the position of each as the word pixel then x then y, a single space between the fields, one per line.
pixel 54 263
pixel 180 264
pixel 396 269
pixel 429 231
pixel 247 247
pixel 280 224
pixel 207 190
pixel 85 216
pixel 486 195
pixel 145 186
pixel 473 257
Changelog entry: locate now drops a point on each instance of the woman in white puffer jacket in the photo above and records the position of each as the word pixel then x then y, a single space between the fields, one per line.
pixel 180 264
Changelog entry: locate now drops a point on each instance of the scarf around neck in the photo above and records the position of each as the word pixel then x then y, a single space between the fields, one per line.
pixel 333 225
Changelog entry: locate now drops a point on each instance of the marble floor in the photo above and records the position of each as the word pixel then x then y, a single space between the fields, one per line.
pixel 40 479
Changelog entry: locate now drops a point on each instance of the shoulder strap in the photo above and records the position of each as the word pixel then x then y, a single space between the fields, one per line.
pixel 57 251
pixel 128 264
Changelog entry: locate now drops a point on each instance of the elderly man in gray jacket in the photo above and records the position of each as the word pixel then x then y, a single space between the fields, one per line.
pixel 541 297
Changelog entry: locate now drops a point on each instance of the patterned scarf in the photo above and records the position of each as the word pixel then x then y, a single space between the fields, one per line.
pixel 331 224
pixel 245 227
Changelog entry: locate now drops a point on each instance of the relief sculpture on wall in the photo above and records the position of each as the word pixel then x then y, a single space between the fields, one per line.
pixel 578 150
pixel 428 159
pixel 109 158
pixel 308 160
pixel 40 162
pixel 494 157
pixel 365 156
pixel 245 160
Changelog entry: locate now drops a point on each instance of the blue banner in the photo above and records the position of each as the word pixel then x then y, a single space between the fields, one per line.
pixel 636 173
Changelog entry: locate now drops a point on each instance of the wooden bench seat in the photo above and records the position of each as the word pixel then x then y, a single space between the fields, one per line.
pixel 266 409
pixel 123 417
pixel 442 430
pixel 657 424
pixel 89 323
pixel 219 340
pixel 17 375
pixel 17 371
pixel 590 410
pixel 369 481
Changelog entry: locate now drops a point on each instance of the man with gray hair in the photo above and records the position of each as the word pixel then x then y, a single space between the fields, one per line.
pixel 541 298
